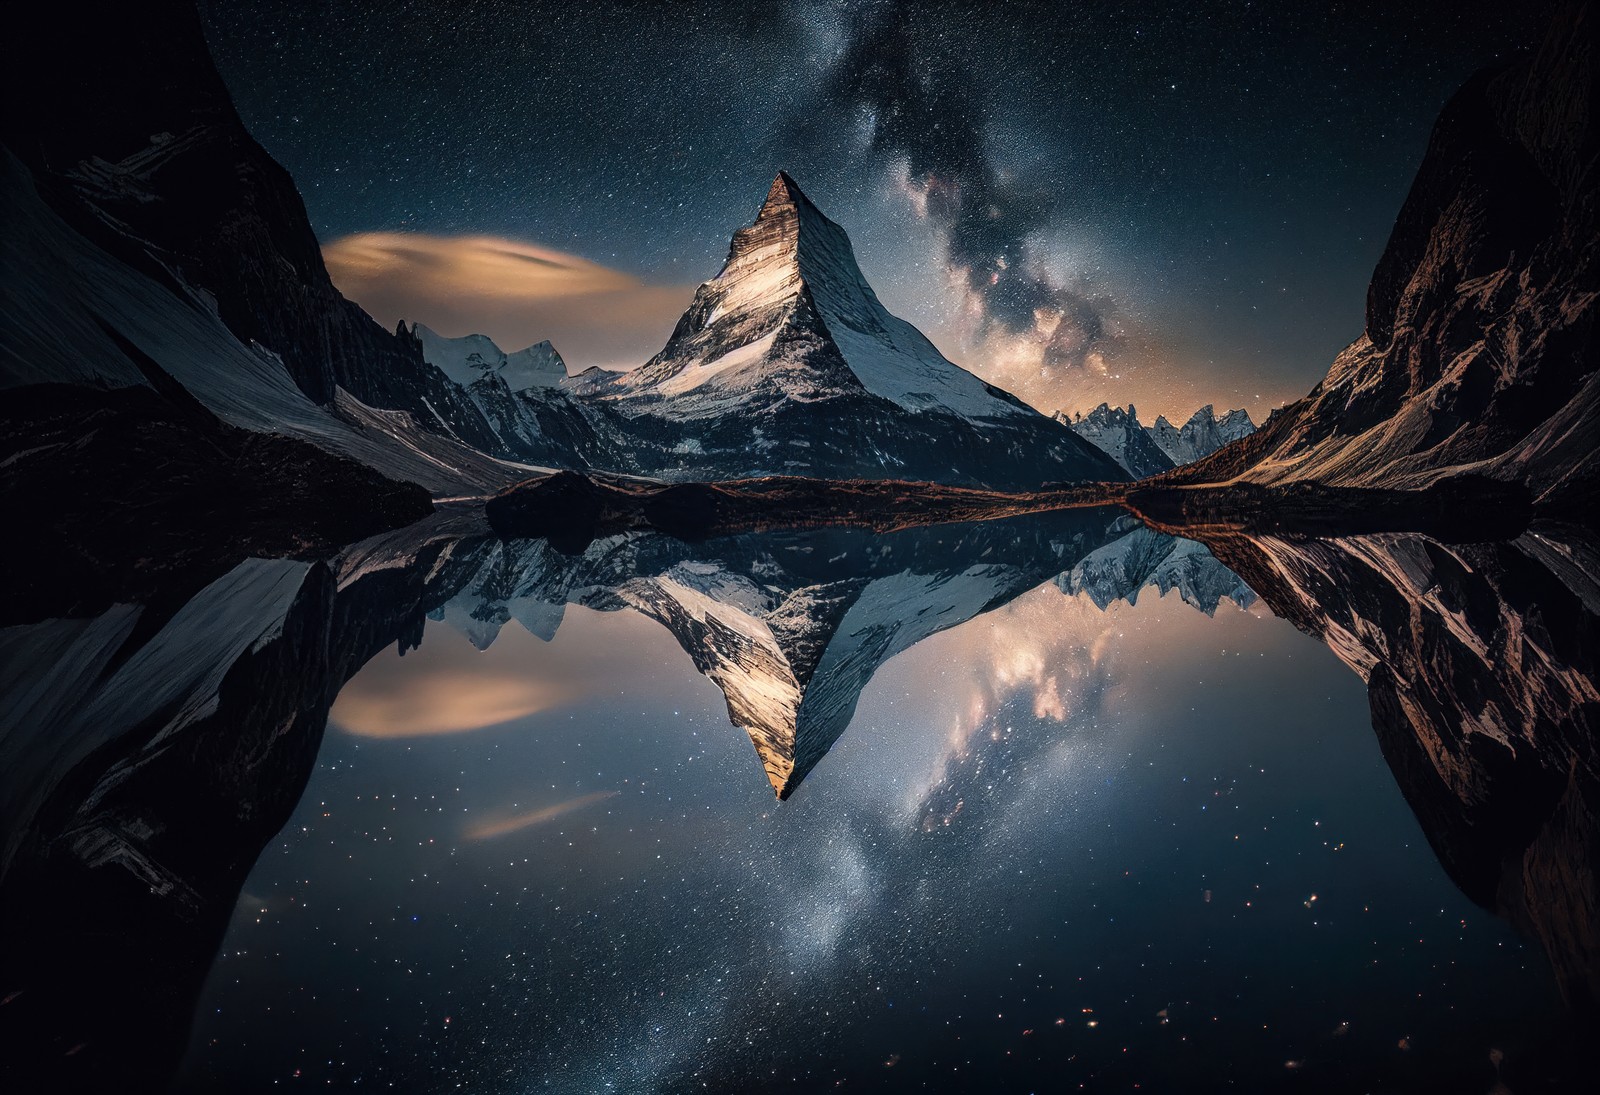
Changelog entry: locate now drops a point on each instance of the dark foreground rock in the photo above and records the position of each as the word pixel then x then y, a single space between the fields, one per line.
pixel 117 494
pixel 571 508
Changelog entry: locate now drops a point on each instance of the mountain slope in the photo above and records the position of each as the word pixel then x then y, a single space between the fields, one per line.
pixel 787 363
pixel 145 214
pixel 84 318
pixel 470 358
pixel 1478 354
pixel 794 270
pixel 524 401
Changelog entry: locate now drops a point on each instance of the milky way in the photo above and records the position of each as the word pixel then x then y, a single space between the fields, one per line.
pixel 929 113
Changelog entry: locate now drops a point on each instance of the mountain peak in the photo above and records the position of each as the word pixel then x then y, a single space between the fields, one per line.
pixel 790 316
pixel 1117 432
pixel 470 358
pixel 783 192
pixel 784 214
pixel 1202 434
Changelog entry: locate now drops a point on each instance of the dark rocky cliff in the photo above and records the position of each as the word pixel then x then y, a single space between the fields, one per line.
pixel 1479 351
pixel 141 150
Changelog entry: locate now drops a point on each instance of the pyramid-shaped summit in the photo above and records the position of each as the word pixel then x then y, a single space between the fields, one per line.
pixel 786 362
pixel 793 274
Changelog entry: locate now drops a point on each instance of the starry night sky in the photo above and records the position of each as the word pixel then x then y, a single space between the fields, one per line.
pixel 1192 200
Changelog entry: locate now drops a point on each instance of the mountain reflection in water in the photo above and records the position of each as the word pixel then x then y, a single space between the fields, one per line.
pixel 1074 770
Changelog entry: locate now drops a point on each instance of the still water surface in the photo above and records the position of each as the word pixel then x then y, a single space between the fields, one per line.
pixel 1056 846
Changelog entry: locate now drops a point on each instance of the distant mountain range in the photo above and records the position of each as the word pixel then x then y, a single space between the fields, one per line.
pixel 1149 450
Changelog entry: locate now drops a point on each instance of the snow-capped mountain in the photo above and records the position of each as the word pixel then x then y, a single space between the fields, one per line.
pixel 470 358
pixel 1202 435
pixel 523 399
pixel 1146 450
pixel 1118 434
pixel 791 274
pixel 787 363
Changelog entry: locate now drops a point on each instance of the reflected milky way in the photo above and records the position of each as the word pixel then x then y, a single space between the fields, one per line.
pixel 690 931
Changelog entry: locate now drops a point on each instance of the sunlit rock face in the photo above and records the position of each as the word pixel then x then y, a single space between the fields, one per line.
pixel 1479 352
pixel 1481 664
pixel 787 363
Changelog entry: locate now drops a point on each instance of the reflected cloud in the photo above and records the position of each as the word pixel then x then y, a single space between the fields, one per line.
pixel 443 703
pixel 487 830
pixel 450 685
pixel 515 292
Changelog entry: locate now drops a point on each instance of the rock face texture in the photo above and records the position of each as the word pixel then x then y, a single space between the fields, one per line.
pixel 786 363
pixel 1479 352
pixel 1482 663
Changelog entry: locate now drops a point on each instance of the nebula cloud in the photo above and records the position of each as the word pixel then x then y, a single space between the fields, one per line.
pixel 926 116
